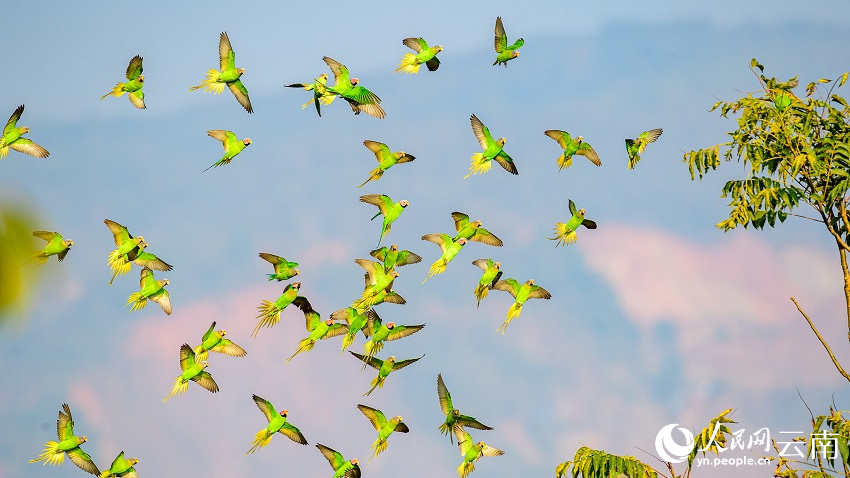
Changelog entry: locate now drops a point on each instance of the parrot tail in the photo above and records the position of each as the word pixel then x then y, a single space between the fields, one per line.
pixel 633 160
pixel 375 174
pixel 465 468
pixel 377 447
pixel 371 348
pixel 269 316
pixel 106 474
pixel 119 266
pixel 51 454
pixel 408 64
pixel 481 292
pixel 305 345
pixel 513 312
pixel 563 235
pixel 478 164
pixel 378 382
pixel 272 277
pixel 117 91
pixel 261 439
pixel 564 162
pixel 437 267
pixel 138 300
pixel 444 429
pixel 201 354
pixel 348 340
pixel 179 387
pixel 40 258
pixel 4 151
pixel 211 83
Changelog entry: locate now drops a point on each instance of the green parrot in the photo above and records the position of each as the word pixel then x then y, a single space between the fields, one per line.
pixel 342 467
pixel 481 162
pixel 130 250
pixel 277 424
pixel 453 415
pixel 283 269
pixel 133 86
pixel 378 333
pixel 384 427
pixel 470 451
pixel 389 296
pixel 358 97
pixel 565 233
pixel 385 159
pixel 410 63
pixel 636 146
pixel 319 329
pixel 472 231
pixel 571 147
pixel 232 145
pixel 56 246
pixel 488 279
pixel 270 311
pixel 521 293
pixel 384 367
pixel 151 289
pixel 450 249
pixel 193 371
pixel 377 280
pixel 392 257
pixel 504 52
pixel 13 138
pixel 54 452
pixel 121 468
pixel 229 75
pixel 321 94
pixel 214 341
pixel 356 321
pixel 386 207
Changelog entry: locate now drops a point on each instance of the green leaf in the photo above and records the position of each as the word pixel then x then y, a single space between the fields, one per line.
pixel 755 64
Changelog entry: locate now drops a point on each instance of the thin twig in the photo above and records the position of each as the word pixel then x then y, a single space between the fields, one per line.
pixel 822 341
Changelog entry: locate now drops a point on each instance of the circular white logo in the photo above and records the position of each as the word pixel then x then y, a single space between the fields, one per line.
pixel 667 447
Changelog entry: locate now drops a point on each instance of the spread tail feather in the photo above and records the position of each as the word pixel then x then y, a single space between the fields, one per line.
pixel 40 258
pixel 437 267
pixel 261 439
pixel 563 235
pixel 408 64
pixel 201 354
pixel 481 292
pixel 377 447
pixel 375 174
pixel 211 83
pixel 179 387
pixel 138 301
pixel 117 91
pixel 51 454
pixel 478 165
pixel 378 382
pixel 564 162
pixel 305 345
pixel 348 340
pixel 465 468
pixel 269 316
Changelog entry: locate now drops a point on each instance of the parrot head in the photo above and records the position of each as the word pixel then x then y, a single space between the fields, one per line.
pixel 391 359
pixel 69 242
pixel 24 129
pixel 354 461
pixel 323 77
pixel 284 412
pixel 394 273
pixel 404 203
pixel 397 419
pixel 581 212
pixel 394 247
pixel 439 48
pixel 135 461
pixel 516 54
pixel 580 138
pixel 497 265
pixel 530 282
pixel 462 241
pixel 165 281
pixel 246 141
pixel 329 321
pixel 477 224
pixel 141 78
pixel 390 325
pixel 502 141
pixel 296 285
pixel 456 412
pixel 241 71
pixel 139 239
pixel 296 271
pixel 354 81
pixel 223 333
pixel 204 364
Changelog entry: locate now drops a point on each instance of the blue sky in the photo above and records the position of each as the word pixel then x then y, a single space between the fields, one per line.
pixel 656 316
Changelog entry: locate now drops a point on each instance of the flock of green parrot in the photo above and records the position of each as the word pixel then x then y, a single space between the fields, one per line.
pixel 380 275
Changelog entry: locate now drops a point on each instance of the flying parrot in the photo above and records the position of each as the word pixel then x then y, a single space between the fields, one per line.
pixel 377 280
pixel 358 97
pixel 488 279
pixel 277 424
pixel 392 257
pixel 565 233
pixel 130 250
pixel 385 159
pixel 229 75
pixel 472 231
pixel 384 367
pixel 232 145
pixel 384 427
pixel 283 269
pixel 481 162
pixel 150 289
pixel 319 329
pixel 121 468
pixel 56 246
pixel 386 207
pixel 270 311
pixel 410 63
pixel 214 341
pixel 471 452
pixel 521 293
pixel 321 94
pixel 356 321
pixel 54 452
pixel 450 249
pixel 133 86
pixel 504 53
pixel 636 146
pixel 453 415
pixel 193 371
pixel 378 333
pixel 13 138
pixel 342 467
pixel 572 147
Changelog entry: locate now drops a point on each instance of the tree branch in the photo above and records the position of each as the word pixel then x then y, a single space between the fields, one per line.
pixel 822 341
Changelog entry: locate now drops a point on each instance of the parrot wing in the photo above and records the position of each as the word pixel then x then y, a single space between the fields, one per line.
pixel 508 285
pixel 134 69
pixel 265 406
pixel 375 416
pixel 562 137
pixel 444 396
pixel 13 120
pixel 482 133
